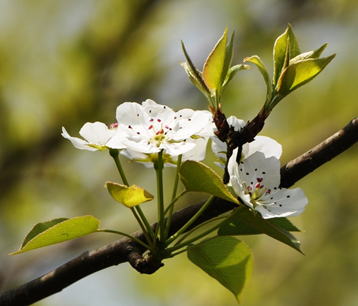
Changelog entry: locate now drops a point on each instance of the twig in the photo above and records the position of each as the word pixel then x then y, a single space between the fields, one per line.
pixel 125 250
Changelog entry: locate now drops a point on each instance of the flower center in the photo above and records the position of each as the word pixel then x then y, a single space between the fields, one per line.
pixel 256 191
pixel 158 138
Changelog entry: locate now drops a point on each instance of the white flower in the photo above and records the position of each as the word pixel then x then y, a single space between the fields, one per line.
pixel 266 145
pixel 256 181
pixel 97 136
pixel 149 128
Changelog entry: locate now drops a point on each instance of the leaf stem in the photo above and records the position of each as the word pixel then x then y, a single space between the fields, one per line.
pixel 169 210
pixel 177 177
pixel 126 235
pixel 141 219
pixel 203 234
pixel 115 154
pixel 158 165
pixel 191 220
pixel 196 228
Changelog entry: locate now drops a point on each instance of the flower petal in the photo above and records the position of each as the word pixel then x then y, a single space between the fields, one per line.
pixel 219 148
pixel 283 203
pixel 177 148
pixel 96 133
pixel 236 123
pixel 257 168
pixel 266 145
pixel 157 111
pixel 131 113
pixel 198 151
pixel 77 142
pixel 199 124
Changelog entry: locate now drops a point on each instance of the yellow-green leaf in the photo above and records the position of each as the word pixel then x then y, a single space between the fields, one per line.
pixel 260 65
pixel 128 195
pixel 58 230
pixel 310 54
pixel 214 65
pixel 198 177
pixel 193 73
pixel 226 259
pixel 232 72
pixel 299 73
pixel 285 48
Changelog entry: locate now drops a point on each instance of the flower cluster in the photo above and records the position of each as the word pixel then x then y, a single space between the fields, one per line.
pixel 144 130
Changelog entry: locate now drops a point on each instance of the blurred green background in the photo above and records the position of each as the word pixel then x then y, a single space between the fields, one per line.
pixel 63 63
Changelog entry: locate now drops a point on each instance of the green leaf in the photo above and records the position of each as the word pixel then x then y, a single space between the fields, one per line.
pixel 58 230
pixel 40 227
pixel 299 73
pixel 228 58
pixel 198 177
pixel 260 65
pixel 128 196
pixel 193 73
pixel 226 259
pixel 245 222
pixel 310 54
pixel 285 48
pixel 214 65
pixel 232 72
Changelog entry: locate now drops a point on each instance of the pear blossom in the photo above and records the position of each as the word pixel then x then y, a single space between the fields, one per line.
pixel 256 181
pixel 149 128
pixel 264 144
pixel 96 136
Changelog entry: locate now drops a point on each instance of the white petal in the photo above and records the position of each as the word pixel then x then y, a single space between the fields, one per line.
pixel 77 142
pixel 96 133
pixel 140 146
pixel 177 148
pixel 131 113
pixel 116 142
pixel 138 157
pixel 257 168
pixel 199 150
pixel 266 145
pixel 158 111
pixel 284 203
pixel 218 147
pixel 232 165
pixel 199 123
pixel 236 123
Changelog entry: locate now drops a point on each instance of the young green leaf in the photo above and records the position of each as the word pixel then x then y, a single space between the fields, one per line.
pixel 245 222
pixel 285 48
pixel 228 58
pixel 214 65
pixel 198 177
pixel 232 72
pixel 299 73
pixel 58 230
pixel 310 54
pixel 226 259
pixel 260 65
pixel 128 195
pixel 193 73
